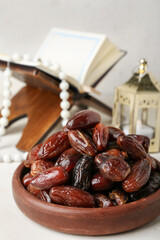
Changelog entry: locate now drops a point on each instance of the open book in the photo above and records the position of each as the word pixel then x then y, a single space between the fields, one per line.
pixel 84 57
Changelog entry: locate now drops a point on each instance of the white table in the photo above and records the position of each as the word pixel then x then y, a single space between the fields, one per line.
pixel 132 25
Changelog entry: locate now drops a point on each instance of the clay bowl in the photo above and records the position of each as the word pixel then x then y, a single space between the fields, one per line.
pixel 84 221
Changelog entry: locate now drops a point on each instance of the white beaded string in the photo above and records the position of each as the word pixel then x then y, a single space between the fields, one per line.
pixel 6 103
pixel 64 95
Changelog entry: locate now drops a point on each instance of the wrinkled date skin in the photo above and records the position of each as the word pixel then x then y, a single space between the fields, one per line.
pixel 116 153
pixel 40 194
pixel 54 145
pixel 100 136
pixel 120 197
pixel 32 156
pixel 152 161
pixel 81 176
pixel 27 179
pixel 81 142
pixel 40 165
pixel 138 177
pixel 143 140
pixel 83 119
pixel 102 201
pixel 100 183
pixel 50 177
pixel 68 159
pixel 44 196
pixel 133 148
pixel 152 186
pixel 114 133
pixel 71 196
pixel 115 169
pixel 100 158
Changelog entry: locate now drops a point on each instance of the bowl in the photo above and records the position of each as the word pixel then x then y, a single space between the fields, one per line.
pixel 84 221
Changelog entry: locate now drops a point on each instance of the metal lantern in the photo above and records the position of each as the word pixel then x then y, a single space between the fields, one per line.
pixel 137 106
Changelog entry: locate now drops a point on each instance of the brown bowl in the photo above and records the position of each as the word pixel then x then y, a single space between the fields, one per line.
pixel 84 221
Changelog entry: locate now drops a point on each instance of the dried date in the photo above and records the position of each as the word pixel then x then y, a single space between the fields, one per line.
pixel 40 194
pixel 100 136
pixel 134 149
pixel 81 176
pixel 54 145
pixel 102 201
pixel 68 159
pixel 138 177
pixel 100 158
pixel 152 186
pixel 44 196
pixel 100 183
pixel 114 133
pixel 119 196
pixel 27 179
pixel 114 169
pixel 143 140
pixel 152 161
pixel 83 119
pixel 32 156
pixel 71 196
pixel 115 153
pixel 40 165
pixel 81 142
pixel 50 177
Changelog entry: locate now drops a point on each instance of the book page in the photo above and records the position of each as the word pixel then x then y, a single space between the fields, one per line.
pixel 72 50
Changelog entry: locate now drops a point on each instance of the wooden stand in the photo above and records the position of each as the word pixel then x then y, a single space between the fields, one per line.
pixel 40 102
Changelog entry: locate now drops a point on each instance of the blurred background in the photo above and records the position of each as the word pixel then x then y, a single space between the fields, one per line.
pixel 132 25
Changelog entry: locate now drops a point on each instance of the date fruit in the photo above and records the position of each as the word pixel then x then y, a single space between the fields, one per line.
pixel 50 177
pixel 71 196
pixel 27 179
pixel 114 133
pixel 100 158
pixel 83 119
pixel 152 186
pixel 81 176
pixel 100 183
pixel 68 159
pixel 32 156
pixel 100 136
pixel 134 149
pixel 40 165
pixel 81 142
pixel 114 169
pixel 115 153
pixel 40 194
pixel 152 161
pixel 143 140
pixel 88 157
pixel 44 196
pixel 138 177
pixel 119 196
pixel 54 145
pixel 102 201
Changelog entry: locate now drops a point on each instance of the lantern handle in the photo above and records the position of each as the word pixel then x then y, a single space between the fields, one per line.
pixel 140 69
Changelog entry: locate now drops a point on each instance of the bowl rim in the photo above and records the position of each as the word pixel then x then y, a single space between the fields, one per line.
pixel 17 183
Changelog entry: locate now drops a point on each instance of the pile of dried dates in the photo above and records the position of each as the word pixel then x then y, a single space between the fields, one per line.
pixel 89 164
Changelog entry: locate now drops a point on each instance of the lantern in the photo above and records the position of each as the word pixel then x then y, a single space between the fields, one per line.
pixel 137 106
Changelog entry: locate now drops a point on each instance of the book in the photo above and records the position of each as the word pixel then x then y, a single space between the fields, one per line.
pixel 84 57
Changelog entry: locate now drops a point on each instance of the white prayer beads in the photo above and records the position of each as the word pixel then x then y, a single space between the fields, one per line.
pixel 64 95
